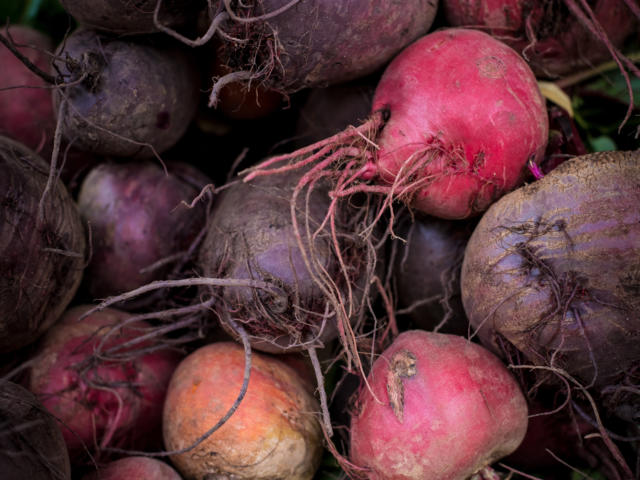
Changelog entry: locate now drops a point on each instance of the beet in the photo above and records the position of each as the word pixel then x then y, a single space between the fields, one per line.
pixel 455 120
pixel 42 253
pixel 274 433
pixel 109 399
pixel 427 273
pixel 127 17
pixel 27 113
pixel 130 97
pixel 137 219
pixel 251 237
pixel 320 42
pixel 439 407
pixel 553 40
pixel 31 443
pixel 552 270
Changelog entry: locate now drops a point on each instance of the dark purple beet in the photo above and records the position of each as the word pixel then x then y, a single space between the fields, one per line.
pixel 42 252
pixel 427 273
pixel 251 237
pixel 31 442
pixel 553 269
pixel 135 97
pixel 137 219
pixel 321 42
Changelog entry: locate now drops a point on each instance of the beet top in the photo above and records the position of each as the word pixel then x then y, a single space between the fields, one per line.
pixel 553 269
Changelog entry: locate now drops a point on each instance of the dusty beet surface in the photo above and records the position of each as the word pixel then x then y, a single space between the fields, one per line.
pixel 552 270
pixel 42 249
pixel 321 42
pixel 444 408
pixel 116 106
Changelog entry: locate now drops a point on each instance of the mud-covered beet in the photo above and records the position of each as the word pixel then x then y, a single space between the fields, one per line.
pixel 553 269
pixel 31 443
pixel 127 17
pixel 251 237
pixel 137 218
pixel 322 42
pixel 131 97
pixel 42 250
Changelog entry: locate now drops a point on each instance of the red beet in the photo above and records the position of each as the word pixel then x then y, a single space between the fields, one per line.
pixel 444 409
pixel 101 402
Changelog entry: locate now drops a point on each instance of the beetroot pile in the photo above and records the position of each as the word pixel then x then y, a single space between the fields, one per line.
pixel 308 239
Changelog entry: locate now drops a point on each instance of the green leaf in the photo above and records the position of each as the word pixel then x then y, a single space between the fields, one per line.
pixel 11 9
pixel 603 143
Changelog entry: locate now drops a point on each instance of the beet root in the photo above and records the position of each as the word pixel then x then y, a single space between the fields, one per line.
pixel 320 42
pixel 274 432
pixel 552 269
pixel 113 399
pixel 43 246
pixel 137 219
pixel 117 104
pixel 444 409
pixel 290 291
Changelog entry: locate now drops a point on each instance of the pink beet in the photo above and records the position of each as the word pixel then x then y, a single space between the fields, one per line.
pixel 445 409
pixel 123 404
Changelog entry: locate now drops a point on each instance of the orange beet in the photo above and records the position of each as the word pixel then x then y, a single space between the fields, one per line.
pixel 274 433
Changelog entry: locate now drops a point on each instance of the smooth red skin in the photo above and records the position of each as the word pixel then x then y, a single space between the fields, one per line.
pixel 477 103
pixel 462 411
pixel 86 412
pixel 27 113
pixel 136 219
pixel 134 468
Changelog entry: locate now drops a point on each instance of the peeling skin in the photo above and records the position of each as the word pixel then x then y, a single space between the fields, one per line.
pixel 403 365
